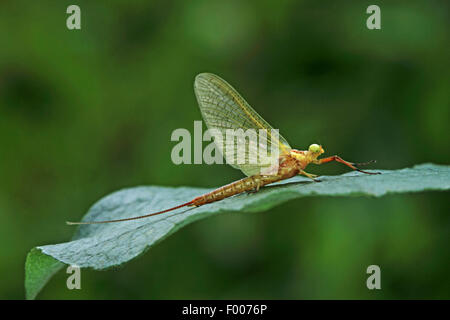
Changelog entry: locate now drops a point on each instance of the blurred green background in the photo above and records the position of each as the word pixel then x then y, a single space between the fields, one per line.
pixel 84 113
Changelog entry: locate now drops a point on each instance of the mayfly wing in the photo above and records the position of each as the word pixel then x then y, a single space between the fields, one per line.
pixel 223 108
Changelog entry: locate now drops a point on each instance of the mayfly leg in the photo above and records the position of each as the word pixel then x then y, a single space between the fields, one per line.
pixel 255 189
pixel 347 163
pixel 309 175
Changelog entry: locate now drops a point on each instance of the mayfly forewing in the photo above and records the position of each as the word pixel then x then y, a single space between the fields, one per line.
pixel 223 108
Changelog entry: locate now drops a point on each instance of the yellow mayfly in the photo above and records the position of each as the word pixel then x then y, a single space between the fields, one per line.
pixel 223 108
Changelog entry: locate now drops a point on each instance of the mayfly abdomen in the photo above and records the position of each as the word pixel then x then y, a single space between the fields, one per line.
pixel 245 184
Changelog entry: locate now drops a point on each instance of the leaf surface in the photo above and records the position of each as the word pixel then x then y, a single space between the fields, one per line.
pixel 102 246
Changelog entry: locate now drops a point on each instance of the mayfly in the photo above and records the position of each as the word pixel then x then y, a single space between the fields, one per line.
pixel 223 108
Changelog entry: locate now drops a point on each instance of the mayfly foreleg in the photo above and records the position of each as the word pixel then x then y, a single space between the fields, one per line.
pixel 347 163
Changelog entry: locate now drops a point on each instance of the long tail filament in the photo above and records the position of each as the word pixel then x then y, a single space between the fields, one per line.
pixel 132 218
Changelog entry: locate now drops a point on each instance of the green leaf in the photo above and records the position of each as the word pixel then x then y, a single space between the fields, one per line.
pixel 39 268
pixel 103 246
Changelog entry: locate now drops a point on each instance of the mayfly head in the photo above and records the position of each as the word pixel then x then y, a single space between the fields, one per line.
pixel 315 150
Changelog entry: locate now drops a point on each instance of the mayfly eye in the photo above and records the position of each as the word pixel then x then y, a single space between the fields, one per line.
pixel 314 148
